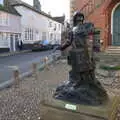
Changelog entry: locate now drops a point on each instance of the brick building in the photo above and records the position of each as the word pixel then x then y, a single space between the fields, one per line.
pixel 105 14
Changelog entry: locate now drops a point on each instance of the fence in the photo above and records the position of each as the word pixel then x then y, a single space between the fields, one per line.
pixel 16 75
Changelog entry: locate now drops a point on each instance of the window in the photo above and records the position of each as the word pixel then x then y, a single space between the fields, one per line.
pixel 4 20
pixel 51 36
pixel 16 37
pixel 50 24
pixel 55 27
pixel 31 34
pixel 43 35
pixel 28 34
pixel 37 36
pixel 59 26
pixel 4 39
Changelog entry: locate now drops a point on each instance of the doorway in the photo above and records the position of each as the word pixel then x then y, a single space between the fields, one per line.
pixel 116 26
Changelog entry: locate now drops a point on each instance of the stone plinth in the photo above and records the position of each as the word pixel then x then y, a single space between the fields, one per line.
pixel 61 110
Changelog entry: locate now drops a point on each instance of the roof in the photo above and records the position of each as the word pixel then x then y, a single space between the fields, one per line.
pixel 60 19
pixel 9 9
pixel 21 3
pixel 12 2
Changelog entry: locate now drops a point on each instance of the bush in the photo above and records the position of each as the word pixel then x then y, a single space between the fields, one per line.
pixel 107 67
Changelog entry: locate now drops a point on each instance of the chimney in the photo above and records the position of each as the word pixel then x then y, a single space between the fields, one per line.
pixel 37 5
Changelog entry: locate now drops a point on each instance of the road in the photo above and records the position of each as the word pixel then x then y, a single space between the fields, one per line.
pixel 22 61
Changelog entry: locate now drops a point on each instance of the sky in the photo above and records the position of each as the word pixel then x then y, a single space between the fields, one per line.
pixel 1 1
pixel 55 7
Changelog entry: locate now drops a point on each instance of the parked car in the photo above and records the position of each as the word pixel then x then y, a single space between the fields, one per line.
pixel 41 45
pixel 56 46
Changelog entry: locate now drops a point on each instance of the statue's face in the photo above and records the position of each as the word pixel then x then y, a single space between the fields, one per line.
pixel 79 19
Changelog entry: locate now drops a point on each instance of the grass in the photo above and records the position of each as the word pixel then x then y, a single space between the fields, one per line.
pixel 108 67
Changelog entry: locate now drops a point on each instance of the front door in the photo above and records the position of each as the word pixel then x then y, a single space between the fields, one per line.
pixel 11 43
pixel 116 27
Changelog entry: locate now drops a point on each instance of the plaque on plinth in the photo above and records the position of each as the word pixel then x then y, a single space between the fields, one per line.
pixel 62 110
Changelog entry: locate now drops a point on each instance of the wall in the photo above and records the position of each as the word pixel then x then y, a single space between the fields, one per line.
pixel 35 21
pixel 98 17
pixel 13 27
pixel 14 24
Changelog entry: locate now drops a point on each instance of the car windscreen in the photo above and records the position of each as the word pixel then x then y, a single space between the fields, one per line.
pixel 45 42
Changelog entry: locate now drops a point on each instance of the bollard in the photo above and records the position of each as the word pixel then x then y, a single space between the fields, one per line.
pixel 42 90
pixel 45 62
pixel 118 74
pixel 16 77
pixel 34 70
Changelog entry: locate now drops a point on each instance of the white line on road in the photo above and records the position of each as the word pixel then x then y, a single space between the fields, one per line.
pixel 13 67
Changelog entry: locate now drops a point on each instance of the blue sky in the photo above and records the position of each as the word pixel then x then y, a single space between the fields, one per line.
pixel 55 7
pixel 1 1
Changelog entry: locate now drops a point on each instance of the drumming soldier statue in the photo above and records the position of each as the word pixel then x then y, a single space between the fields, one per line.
pixel 82 86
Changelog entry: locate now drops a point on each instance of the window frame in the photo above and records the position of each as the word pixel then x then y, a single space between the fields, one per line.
pixel 4 19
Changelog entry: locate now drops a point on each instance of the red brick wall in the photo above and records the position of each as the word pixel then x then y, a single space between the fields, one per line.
pixel 79 3
pixel 98 18
pixel 101 17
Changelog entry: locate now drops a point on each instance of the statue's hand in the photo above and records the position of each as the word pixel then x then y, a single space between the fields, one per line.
pixel 57 48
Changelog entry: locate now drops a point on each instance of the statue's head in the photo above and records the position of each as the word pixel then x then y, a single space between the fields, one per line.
pixel 78 17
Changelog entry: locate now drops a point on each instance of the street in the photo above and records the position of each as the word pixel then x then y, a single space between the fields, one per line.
pixel 22 61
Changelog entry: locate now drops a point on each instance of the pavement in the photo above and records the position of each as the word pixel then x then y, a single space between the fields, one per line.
pixel 23 102
pixel 13 53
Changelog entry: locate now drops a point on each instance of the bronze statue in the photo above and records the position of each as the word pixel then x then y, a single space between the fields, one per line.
pixel 82 86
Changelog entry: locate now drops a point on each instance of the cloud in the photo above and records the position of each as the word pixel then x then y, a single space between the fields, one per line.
pixel 55 7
